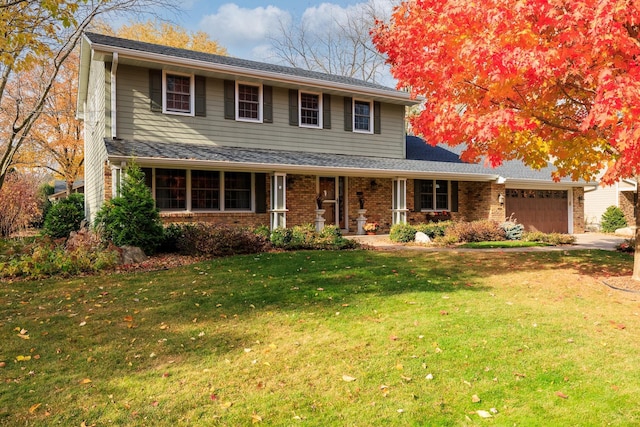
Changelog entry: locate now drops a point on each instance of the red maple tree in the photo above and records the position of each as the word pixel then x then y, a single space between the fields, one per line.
pixel 536 80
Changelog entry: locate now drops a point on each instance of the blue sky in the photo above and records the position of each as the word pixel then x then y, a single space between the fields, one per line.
pixel 242 26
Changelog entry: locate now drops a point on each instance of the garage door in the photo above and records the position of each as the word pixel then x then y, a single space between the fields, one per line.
pixel 539 210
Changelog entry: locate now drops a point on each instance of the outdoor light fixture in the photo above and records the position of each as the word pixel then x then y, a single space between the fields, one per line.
pixel 501 199
pixel 373 184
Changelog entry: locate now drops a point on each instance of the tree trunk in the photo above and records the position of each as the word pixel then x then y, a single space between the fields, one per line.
pixel 636 255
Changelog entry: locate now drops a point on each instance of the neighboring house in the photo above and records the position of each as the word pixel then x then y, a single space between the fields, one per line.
pixel 598 198
pixel 60 189
pixel 226 140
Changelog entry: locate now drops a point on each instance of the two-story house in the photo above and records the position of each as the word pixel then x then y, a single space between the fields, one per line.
pixel 232 141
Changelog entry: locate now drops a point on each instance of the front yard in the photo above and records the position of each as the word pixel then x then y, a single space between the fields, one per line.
pixel 328 338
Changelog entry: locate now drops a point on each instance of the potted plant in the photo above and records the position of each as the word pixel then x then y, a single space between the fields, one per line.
pixel 371 227
pixel 319 200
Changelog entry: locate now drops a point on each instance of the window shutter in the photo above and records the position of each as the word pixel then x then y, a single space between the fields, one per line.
pixel 348 114
pixel 293 107
pixel 155 90
pixel 417 200
pixel 201 96
pixel 267 104
pixel 454 196
pixel 376 117
pixel 261 192
pixel 326 111
pixel 229 100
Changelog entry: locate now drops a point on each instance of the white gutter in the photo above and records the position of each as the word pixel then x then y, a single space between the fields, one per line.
pixel 114 121
pixel 267 75
pixel 302 169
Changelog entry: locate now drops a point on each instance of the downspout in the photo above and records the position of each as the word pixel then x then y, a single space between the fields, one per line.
pixel 114 69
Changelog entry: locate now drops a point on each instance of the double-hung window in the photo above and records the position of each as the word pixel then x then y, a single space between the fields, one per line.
pixel 205 190
pixel 310 110
pixel 237 190
pixel 249 102
pixel 362 116
pixel 434 194
pixel 178 93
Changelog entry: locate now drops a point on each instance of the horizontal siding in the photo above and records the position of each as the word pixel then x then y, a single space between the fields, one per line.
pixel 94 131
pixel 597 201
pixel 136 121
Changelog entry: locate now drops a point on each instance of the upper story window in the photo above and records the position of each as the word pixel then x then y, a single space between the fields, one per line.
pixel 249 102
pixel 310 110
pixel 178 97
pixel 362 116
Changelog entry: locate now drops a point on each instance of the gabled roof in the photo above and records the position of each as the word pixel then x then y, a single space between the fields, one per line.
pixel 233 67
pixel 424 161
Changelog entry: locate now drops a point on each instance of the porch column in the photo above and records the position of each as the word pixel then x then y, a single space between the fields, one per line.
pixel 399 203
pixel 278 200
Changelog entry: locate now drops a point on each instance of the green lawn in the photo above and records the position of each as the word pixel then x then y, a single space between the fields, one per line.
pixel 328 338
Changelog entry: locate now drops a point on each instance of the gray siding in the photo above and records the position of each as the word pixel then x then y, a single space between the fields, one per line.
pixel 136 121
pixel 95 129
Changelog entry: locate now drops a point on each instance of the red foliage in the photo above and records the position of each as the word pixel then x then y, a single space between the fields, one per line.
pixel 536 80
pixel 19 203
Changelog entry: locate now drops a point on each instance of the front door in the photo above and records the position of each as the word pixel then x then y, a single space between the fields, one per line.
pixel 332 188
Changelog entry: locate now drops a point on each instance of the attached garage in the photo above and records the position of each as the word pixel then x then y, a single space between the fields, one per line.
pixel 539 210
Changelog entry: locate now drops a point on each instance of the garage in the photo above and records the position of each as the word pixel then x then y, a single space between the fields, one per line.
pixel 539 210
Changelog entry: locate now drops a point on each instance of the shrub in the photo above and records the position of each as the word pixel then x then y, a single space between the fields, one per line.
pixel 262 230
pixel 434 229
pixel 19 203
pixel 281 237
pixel 476 231
pixel 218 240
pixel 302 237
pixel 64 216
pixel 549 238
pixel 612 219
pixel 330 237
pixel 512 230
pixel 402 233
pixel 305 237
pixel 132 218
pixel 170 236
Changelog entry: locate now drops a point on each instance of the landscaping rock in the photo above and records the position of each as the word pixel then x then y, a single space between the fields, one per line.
pixel 422 238
pixel 626 231
pixel 132 255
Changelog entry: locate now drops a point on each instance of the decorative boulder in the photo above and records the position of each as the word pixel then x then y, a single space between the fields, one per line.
pixel 132 255
pixel 422 238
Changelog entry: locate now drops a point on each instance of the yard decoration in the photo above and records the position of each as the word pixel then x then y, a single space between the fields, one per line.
pixel 532 80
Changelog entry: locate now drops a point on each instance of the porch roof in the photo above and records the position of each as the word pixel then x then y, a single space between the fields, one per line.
pixel 425 161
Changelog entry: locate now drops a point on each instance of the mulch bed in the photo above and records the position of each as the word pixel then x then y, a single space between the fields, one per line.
pixel 623 283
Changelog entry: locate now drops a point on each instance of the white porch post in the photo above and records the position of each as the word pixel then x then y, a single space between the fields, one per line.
pixel 278 200
pixel 399 204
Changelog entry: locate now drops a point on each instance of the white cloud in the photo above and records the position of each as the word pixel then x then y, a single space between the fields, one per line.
pixel 241 30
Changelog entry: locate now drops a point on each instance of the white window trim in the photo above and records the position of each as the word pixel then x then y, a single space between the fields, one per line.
pixel 260 102
pixel 435 209
pixel 192 94
pixel 319 95
pixel 353 115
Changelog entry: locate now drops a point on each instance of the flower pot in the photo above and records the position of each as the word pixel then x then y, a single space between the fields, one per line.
pixel 371 233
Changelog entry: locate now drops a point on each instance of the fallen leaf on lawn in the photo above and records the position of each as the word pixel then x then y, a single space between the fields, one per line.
pixel 23 358
pixel 393 338
pixel 213 397
pixel 225 405
pixel 128 318
pixel 164 326
pixel 483 414
pixel 154 403
pixel 407 379
pixel 83 323
pixel 34 408
pixel 347 378
pixel 3 364
pixel 561 395
pixel 475 398
pixel 85 381
pixel 84 424
pixel 255 419
pixel 429 376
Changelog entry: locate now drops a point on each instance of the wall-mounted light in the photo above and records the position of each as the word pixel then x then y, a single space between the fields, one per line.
pixel 373 184
pixel 501 199
pixel 580 199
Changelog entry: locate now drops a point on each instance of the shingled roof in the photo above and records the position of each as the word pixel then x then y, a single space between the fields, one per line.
pixel 422 160
pixel 100 40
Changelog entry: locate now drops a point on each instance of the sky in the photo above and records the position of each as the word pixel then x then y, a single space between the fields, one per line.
pixel 242 27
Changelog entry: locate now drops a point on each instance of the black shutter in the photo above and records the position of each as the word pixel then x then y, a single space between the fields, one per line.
pixel 417 199
pixel 376 117
pixel 261 192
pixel 326 111
pixel 201 96
pixel 454 196
pixel 267 104
pixel 348 116
pixel 155 90
pixel 293 107
pixel 229 99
